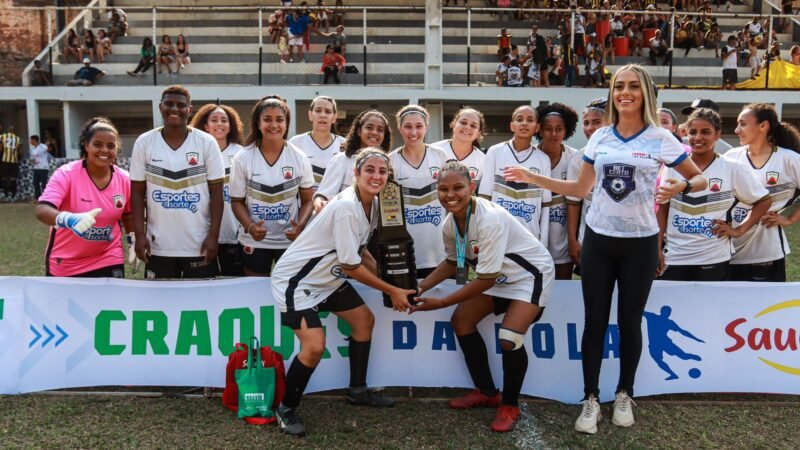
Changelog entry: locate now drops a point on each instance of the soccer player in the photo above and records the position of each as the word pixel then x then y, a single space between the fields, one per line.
pixel 769 149
pixel 320 144
pixel 416 168
pixel 309 278
pixel 514 276
pixel 557 124
pixel 468 127
pixel 698 227
pixel 177 177
pixel 369 129
pixel 621 241
pixel 223 123
pixel 526 202
pixel 271 188
pixel 11 146
pixel 84 204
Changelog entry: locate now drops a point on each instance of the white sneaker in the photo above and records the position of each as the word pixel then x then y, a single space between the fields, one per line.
pixel 623 410
pixel 590 415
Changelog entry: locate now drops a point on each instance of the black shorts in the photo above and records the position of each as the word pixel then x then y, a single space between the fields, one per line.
pixel 261 260
pixel 707 272
pixel 730 76
pixel 115 271
pixel 768 271
pixel 343 299
pixel 230 261
pixel 501 305
pixel 177 267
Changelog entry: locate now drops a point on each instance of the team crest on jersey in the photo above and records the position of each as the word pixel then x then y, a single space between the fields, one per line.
pixel 119 201
pixel 288 172
pixel 772 178
pixel 715 184
pixel 534 170
pixel 473 246
pixel 435 173
pixel 618 180
pixel 473 172
pixel 192 158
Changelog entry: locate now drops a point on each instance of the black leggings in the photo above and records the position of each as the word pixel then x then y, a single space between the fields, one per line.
pixel 631 263
pixel 144 64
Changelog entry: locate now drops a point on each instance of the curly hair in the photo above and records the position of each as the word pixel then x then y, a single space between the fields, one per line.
pixel 454 165
pixel 352 142
pixel 481 123
pixel 200 120
pixel 782 134
pixel 91 127
pixel 566 113
pixel 270 101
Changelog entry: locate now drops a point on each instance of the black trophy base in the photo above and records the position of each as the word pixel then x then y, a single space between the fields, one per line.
pixel 396 266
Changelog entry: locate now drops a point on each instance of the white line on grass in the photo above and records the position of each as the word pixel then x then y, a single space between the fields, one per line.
pixel 527 433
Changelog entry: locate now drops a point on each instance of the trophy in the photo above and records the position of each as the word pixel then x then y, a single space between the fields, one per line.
pixel 396 263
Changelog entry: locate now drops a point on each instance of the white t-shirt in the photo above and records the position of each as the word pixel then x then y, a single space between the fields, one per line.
pixel 332 241
pixel 781 176
pixel 319 157
pixel 730 60
pixel 573 171
pixel 424 213
pixel 524 201
pixel 338 175
pixel 500 247
pixel 473 161
pixel 690 240
pixel 271 192
pixel 625 186
pixel 230 226
pixel 557 243
pixel 40 157
pixel 178 199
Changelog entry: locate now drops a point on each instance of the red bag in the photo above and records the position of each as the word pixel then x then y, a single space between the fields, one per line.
pixel 238 360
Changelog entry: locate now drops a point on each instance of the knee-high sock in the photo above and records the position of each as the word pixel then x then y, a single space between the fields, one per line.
pixel 296 381
pixel 359 360
pixel 477 360
pixel 515 365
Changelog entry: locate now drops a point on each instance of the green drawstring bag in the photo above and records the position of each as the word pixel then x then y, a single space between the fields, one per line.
pixel 256 385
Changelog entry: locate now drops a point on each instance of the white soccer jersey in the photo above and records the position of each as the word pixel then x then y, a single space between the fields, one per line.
pixel 473 161
pixel 424 213
pixel 311 269
pixel 271 192
pixel 230 226
pixel 178 200
pixel 625 186
pixel 573 171
pixel 524 201
pixel 499 247
pixel 557 234
pixel 319 157
pixel 338 175
pixel 690 240
pixel 781 176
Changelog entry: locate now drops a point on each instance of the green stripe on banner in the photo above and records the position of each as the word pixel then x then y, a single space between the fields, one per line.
pixel 1 308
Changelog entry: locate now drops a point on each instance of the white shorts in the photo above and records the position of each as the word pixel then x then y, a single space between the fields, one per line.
pixel 296 41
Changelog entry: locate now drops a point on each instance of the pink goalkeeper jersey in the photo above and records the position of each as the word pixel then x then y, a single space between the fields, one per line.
pixel 72 189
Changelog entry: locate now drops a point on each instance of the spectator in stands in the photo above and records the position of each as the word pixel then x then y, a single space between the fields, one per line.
pixel 501 75
pixel 794 55
pixel 338 13
pixel 90 44
pixel 148 57
pixel 595 70
pixel 324 15
pixel 39 76
pixel 505 6
pixel 608 49
pixel 752 54
pixel 514 74
pixel 10 155
pixel 276 24
pixel 40 161
pixel 634 35
pixel 86 75
pixel 123 17
pixel 166 54
pixel 713 38
pixel 312 24
pixel 298 25
pixel 617 25
pixel 580 31
pixel 533 37
pixel 104 45
pixel 774 54
pixel 332 64
pixel 659 48
pixel 117 27
pixel 338 40
pixel 181 53
pixel 730 62
pixel 503 43
pixel 756 29
pixel 590 47
pixel 570 63
pixel 73 47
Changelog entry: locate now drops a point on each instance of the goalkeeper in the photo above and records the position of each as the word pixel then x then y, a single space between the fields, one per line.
pixel 86 203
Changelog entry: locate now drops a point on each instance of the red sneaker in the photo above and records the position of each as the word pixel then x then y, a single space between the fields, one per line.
pixel 505 419
pixel 476 399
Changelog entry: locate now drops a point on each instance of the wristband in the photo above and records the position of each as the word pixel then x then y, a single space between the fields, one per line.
pixel 688 188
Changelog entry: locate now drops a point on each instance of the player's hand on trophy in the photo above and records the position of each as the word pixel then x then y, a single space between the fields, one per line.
pixel 426 304
pixel 399 298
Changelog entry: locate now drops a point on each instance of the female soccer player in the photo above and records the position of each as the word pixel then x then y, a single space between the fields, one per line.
pixel 320 144
pixel 310 278
pixel 270 188
pixel 621 242
pixel 223 123
pixel 694 223
pixel 524 201
pixel 514 276
pixel 84 202
pixel 416 168
pixel 369 129
pixel 769 148
pixel 468 127
pixel 558 123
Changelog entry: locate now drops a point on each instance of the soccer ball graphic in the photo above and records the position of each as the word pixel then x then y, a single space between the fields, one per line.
pixel 617 185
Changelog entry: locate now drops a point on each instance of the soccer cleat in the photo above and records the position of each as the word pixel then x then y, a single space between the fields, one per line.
pixel 476 399
pixel 623 410
pixel 288 422
pixel 590 415
pixel 364 396
pixel 506 419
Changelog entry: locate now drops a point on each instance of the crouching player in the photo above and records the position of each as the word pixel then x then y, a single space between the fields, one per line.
pixel 514 276
pixel 305 281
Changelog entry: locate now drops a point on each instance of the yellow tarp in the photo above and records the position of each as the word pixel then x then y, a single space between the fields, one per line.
pixel 782 75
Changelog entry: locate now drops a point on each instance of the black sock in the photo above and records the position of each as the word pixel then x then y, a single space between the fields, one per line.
pixel 515 365
pixel 296 381
pixel 477 362
pixel 359 360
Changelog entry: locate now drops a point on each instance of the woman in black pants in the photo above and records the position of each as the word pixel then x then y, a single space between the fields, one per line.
pixel 620 246
pixel 148 56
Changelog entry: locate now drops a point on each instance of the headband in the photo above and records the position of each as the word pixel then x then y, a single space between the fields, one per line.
pixel 373 154
pixel 414 111
pixel 671 114
pixel 553 114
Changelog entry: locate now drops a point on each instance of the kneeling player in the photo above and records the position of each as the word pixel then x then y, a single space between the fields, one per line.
pixel 305 281
pixel 514 276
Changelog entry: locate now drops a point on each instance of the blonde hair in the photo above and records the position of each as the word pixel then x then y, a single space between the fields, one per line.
pixel 649 114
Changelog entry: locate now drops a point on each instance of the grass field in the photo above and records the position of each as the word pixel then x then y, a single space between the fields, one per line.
pixel 684 421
